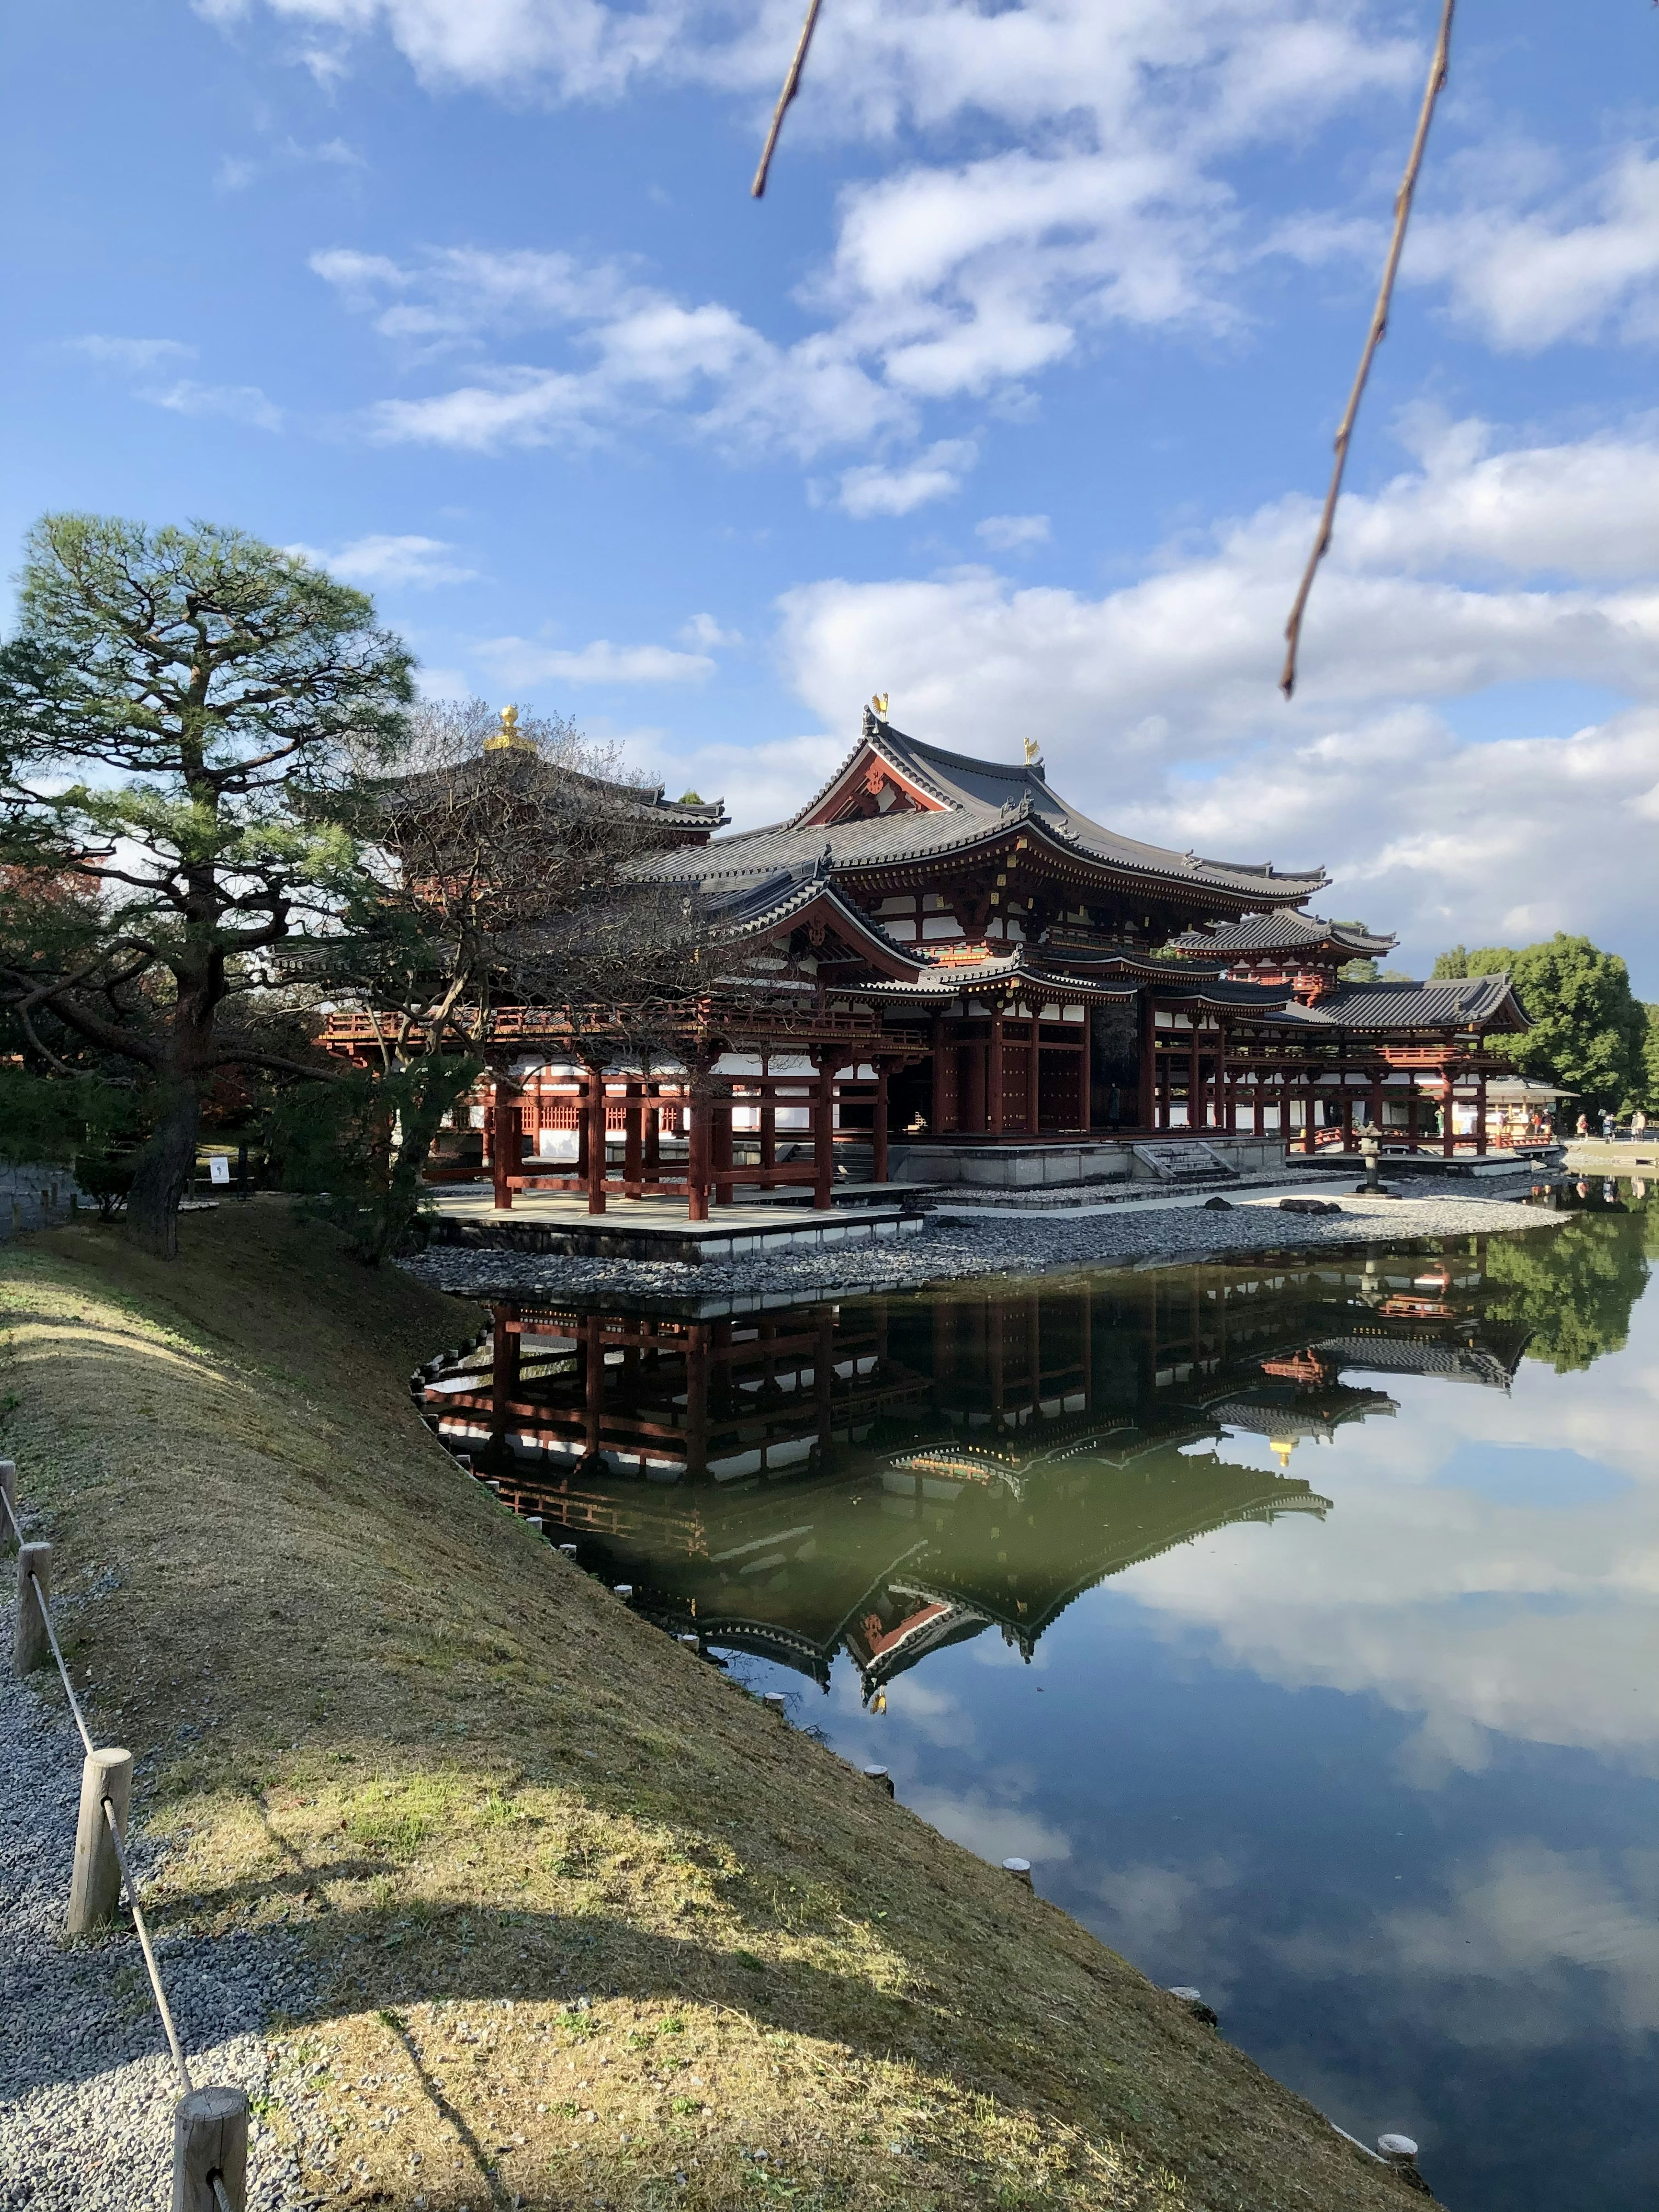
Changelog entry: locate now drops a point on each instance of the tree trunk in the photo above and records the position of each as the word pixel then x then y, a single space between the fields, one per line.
pixel 163 1172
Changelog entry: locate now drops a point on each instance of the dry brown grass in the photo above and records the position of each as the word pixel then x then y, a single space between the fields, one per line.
pixel 479 1787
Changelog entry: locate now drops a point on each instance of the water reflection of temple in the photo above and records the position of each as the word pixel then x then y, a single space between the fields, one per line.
pixel 897 1475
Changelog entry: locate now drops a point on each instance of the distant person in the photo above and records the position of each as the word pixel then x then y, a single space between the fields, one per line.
pixel 1638 1125
pixel 1609 1127
pixel 1584 1125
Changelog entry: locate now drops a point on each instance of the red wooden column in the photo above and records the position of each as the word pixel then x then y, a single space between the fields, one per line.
pixel 879 1163
pixel 768 1117
pixel 1448 1131
pixel 504 1159
pixel 1146 1105
pixel 1086 1117
pixel 1375 1106
pixel 633 1139
pixel 824 1133
pixel 595 1109
pixel 697 1160
pixel 1480 1112
pixel 651 1162
pixel 936 1104
pixel 1309 1124
pixel 993 1072
pixel 719 1140
pixel 1034 1082
pixel 1412 1112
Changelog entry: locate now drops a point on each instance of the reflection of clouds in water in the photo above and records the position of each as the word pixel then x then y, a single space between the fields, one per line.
pixel 994 1832
pixel 1512 1940
pixel 1147 1901
pixel 1480 1612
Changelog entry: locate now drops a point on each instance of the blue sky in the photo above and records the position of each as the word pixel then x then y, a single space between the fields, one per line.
pixel 1013 397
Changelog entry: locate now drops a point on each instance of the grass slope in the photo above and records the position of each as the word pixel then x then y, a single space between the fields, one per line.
pixel 596 1927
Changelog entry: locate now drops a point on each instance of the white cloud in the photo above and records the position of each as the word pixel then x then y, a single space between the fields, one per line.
pixel 1013 533
pixel 237 403
pixel 518 660
pixel 383 559
pixel 936 474
pixel 138 357
pixel 1444 583
pixel 635 353
pixel 705 631
pixel 1530 275
pixel 1101 197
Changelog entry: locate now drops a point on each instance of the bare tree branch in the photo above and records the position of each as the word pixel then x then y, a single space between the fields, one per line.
pixel 1402 209
pixel 790 87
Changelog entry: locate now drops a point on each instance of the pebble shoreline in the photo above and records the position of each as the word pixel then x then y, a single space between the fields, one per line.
pixel 86 2084
pixel 87 2088
pixel 955 1251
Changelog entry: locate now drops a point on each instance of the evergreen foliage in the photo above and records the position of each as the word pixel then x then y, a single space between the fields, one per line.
pixel 1590 1033
pixel 178 711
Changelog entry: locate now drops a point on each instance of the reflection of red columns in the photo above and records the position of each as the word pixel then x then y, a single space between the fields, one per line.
pixel 696 1395
pixel 593 1380
pixel 993 1072
pixel 878 1163
pixel 504 1154
pixel 824 1380
pixel 506 1342
pixel 1146 1104
pixel 595 1088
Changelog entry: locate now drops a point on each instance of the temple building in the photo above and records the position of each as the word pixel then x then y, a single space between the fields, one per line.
pixel 939 970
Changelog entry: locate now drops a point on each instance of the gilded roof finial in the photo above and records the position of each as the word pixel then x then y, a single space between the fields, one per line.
pixel 509 734
pixel 1033 752
pixel 878 701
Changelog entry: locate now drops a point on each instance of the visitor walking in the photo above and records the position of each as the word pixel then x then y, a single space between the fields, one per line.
pixel 1584 1125
pixel 1638 1125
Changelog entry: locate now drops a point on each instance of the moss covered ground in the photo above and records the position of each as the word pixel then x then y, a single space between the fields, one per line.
pixel 593 1926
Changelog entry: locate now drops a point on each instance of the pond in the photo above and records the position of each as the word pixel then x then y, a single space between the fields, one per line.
pixel 1295 1620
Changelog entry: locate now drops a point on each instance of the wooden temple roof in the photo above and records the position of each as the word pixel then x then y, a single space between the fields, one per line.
pixel 946 805
pixel 1484 1002
pixel 1262 935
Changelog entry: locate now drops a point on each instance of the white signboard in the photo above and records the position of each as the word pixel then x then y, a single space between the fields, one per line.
pixel 218 1168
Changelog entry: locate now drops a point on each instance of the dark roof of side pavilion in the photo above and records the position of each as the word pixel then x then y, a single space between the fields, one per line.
pixel 968 803
pixel 1458 1002
pixel 1283 932
pixel 521 761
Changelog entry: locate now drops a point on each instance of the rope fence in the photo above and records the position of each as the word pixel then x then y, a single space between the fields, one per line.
pixel 209 2126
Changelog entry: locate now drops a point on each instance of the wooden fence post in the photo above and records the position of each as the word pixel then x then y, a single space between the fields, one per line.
pixel 8 1491
pixel 95 1884
pixel 209 2137
pixel 30 1648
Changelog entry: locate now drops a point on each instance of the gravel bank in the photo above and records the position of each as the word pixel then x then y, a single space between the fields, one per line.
pixel 87 2088
pixel 949 1251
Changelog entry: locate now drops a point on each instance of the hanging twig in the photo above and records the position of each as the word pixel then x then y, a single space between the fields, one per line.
pixel 1402 209
pixel 790 87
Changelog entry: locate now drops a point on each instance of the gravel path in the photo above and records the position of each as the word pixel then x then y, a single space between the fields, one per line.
pixel 87 2086
pixel 1038 1243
